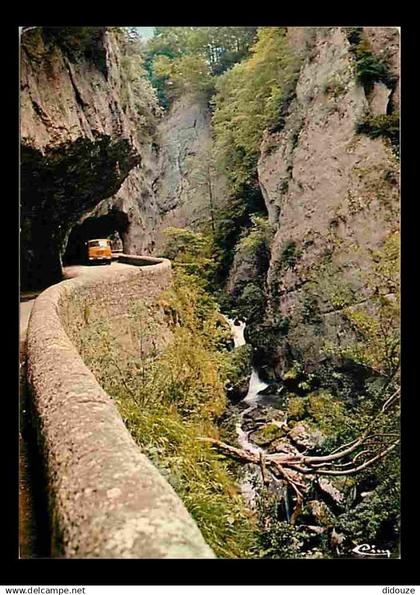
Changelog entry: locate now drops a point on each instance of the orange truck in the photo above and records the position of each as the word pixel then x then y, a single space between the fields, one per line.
pixel 99 251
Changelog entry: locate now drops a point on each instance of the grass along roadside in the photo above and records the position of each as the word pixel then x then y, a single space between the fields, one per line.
pixel 169 399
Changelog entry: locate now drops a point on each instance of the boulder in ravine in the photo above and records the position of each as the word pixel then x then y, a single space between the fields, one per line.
pixel 267 434
pixel 305 437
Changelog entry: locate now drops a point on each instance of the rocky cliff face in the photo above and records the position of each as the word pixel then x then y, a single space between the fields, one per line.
pixel 80 144
pixel 332 194
pixel 188 186
pixel 90 166
pixel 173 187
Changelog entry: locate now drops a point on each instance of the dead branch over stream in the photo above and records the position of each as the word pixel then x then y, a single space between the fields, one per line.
pixel 298 469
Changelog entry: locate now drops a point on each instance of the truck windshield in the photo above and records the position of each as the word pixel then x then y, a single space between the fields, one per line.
pixel 97 243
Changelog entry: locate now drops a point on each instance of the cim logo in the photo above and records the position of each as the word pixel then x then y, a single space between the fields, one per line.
pixel 370 551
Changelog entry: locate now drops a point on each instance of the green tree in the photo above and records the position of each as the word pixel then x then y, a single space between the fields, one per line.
pixel 188 74
pixel 190 251
pixel 187 58
pixel 202 177
pixel 248 100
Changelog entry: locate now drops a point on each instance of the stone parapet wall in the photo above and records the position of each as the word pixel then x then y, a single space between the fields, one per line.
pixel 106 499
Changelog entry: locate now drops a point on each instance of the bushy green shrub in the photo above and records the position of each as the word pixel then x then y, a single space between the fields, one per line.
pixel 370 68
pixel 386 126
pixel 289 254
pixel 354 34
pixel 321 409
pixel 296 408
pixel 188 59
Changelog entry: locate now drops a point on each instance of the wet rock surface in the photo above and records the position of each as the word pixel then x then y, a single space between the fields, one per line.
pixel 267 434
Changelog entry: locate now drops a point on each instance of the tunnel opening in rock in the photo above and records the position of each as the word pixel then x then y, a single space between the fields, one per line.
pixel 57 187
pixel 113 225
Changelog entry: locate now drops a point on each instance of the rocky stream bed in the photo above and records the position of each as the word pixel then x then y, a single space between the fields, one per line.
pixel 263 428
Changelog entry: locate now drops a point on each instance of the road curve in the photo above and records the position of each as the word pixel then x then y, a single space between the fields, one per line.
pixel 69 272
pixel 107 499
pixel 32 538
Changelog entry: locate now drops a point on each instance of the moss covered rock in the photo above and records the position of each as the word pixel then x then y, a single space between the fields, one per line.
pixel 267 434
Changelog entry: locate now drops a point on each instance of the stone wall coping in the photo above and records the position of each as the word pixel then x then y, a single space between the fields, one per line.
pixel 147 261
pixel 106 499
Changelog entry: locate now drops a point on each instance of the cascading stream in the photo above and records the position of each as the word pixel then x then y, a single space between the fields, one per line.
pixel 252 475
pixel 252 478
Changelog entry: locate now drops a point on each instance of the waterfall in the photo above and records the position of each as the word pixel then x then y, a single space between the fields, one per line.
pixel 252 474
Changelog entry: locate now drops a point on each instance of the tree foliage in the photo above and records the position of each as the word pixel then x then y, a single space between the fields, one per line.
pixel 370 68
pixel 248 100
pixel 137 92
pixel 188 74
pixel 184 59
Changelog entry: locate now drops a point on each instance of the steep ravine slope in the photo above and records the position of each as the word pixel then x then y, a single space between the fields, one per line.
pixel 332 195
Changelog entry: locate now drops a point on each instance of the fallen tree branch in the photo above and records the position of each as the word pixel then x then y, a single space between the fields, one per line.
pixel 360 467
pixel 302 463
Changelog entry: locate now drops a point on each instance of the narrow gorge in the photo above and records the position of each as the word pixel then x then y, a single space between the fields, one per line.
pixel 261 377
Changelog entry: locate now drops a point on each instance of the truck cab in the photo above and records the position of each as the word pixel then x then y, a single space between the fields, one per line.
pixel 98 251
